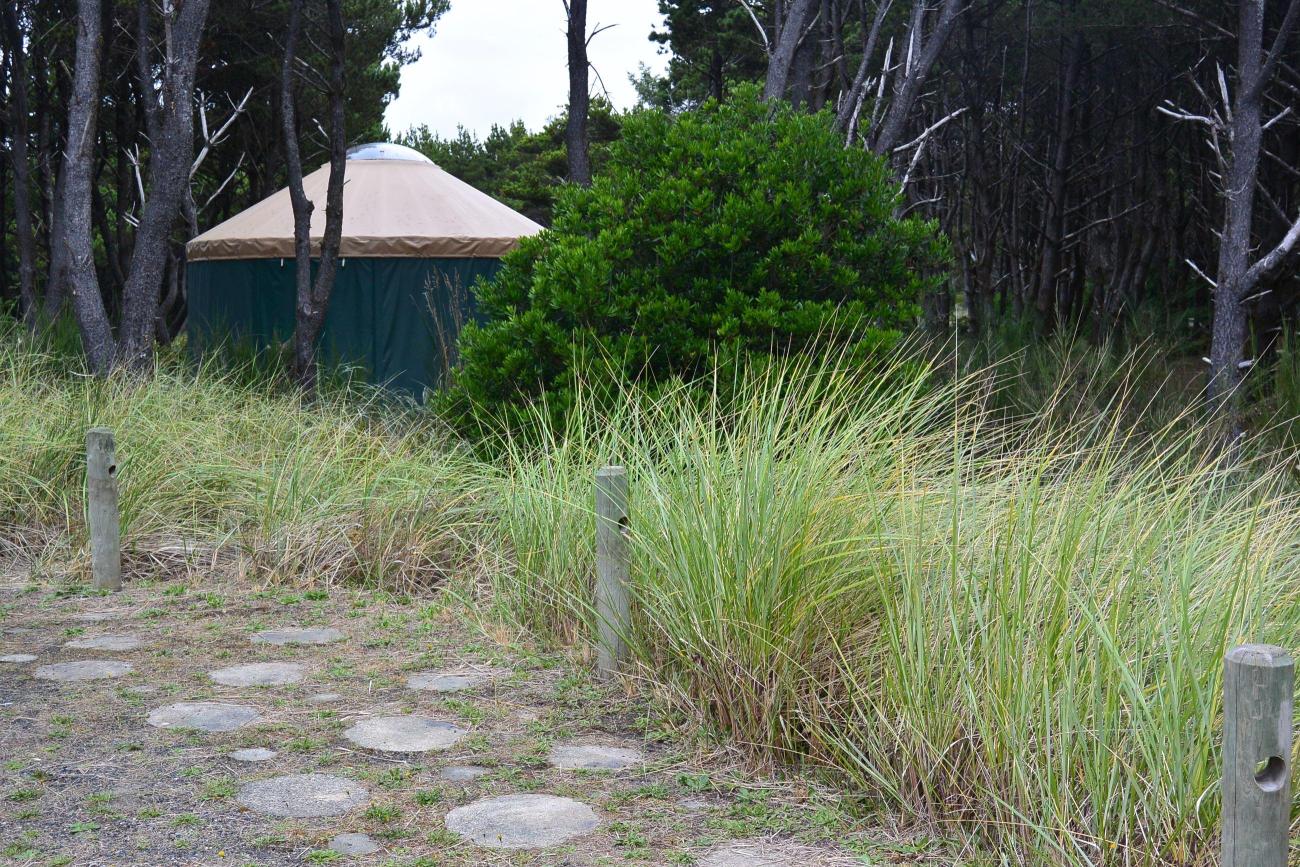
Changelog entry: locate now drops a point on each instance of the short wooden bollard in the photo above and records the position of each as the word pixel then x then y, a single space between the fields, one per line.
pixel 1258 680
pixel 101 509
pixel 612 569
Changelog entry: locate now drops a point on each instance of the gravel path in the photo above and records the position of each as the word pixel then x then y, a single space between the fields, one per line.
pixel 220 725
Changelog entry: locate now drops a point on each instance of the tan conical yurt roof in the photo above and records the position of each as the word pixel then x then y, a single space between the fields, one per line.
pixel 396 203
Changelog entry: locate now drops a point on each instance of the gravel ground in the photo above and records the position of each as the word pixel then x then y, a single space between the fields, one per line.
pixel 87 781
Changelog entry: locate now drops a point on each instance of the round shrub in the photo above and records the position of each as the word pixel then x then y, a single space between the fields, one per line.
pixel 742 227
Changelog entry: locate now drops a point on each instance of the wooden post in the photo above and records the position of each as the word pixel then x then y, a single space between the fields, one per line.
pixel 101 509
pixel 1258 680
pixel 612 569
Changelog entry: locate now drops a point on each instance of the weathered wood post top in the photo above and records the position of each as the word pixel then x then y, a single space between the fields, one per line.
pixel 1258 686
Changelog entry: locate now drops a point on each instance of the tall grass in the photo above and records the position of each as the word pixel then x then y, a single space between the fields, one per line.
pixel 228 462
pixel 1012 631
pixel 1002 627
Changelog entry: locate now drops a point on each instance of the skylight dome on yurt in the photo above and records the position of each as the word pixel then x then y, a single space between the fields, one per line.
pixel 415 239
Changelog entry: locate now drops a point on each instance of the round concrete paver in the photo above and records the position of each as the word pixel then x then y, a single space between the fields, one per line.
pixel 354 844
pixel 760 853
pixel 298 635
pixel 107 642
pixel 253 754
pixel 258 674
pixel 462 773
pixel 18 657
pixel 453 680
pixel 593 757
pixel 85 669
pixel 206 716
pixel 303 796
pixel 522 821
pixel 404 734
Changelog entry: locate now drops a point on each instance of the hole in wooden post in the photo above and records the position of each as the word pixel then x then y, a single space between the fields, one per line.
pixel 1270 773
pixel 112 470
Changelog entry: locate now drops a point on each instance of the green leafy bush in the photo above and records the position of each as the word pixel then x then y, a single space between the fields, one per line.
pixel 740 226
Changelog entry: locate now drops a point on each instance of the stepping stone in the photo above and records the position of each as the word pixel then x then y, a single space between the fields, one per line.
pixel 18 657
pixel 404 734
pixel 522 821
pixel 303 796
pixel 254 754
pixel 593 757
pixel 454 680
pixel 96 616
pixel 107 642
pixel 324 697
pixel 761 853
pixel 298 635
pixel 258 674
pixel 85 669
pixel 206 716
pixel 354 844
pixel 462 773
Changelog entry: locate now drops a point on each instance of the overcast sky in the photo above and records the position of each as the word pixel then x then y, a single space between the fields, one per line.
pixel 493 61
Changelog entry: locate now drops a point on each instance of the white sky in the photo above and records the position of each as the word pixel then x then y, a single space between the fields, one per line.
pixel 494 61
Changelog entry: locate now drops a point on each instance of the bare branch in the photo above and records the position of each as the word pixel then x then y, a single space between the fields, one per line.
pixel 1201 274
pixel 1274 257
pixel 1288 26
pixel 762 31
pixel 1179 114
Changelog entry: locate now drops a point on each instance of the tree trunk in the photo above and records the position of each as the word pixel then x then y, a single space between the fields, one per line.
pixel 850 107
pixel 1047 290
pixel 18 119
pixel 920 55
pixel 75 193
pixel 575 131
pixel 170 158
pixel 1237 276
pixel 1228 335
pixel 790 33
pixel 313 296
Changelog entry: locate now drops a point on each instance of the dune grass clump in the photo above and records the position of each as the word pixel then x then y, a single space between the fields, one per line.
pixel 340 489
pixel 1011 631
pixel 1003 629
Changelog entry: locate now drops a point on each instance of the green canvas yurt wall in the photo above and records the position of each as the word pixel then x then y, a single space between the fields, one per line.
pixel 415 240
pixel 396 319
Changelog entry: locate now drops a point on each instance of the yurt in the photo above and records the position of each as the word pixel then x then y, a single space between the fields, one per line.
pixel 415 239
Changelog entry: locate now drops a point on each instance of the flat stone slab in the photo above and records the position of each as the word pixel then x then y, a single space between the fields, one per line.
pixel 18 657
pixel 404 734
pixel 107 642
pixel 462 773
pixel 354 844
pixel 298 635
pixel 761 853
pixel 258 674
pixel 303 796
pixel 593 757
pixel 522 821
pixel 324 697
pixel 84 669
pixel 253 754
pixel 206 716
pixel 97 616
pixel 453 680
